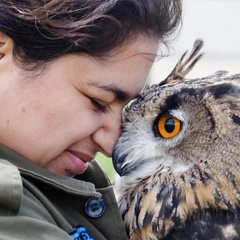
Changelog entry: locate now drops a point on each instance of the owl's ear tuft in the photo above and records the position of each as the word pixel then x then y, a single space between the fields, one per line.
pixel 185 64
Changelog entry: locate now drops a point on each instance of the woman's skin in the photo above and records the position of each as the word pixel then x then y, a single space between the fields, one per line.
pixel 72 109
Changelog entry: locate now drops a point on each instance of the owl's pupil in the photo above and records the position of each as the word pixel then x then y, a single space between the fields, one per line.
pixel 169 125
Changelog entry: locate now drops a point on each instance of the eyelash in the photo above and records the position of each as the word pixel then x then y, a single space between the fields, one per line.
pixel 98 105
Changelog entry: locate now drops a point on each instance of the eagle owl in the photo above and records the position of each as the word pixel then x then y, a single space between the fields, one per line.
pixel 179 158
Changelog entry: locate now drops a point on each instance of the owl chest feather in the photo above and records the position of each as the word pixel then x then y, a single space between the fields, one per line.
pixel 164 203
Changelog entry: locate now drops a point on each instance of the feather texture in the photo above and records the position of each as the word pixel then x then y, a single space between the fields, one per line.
pixel 186 186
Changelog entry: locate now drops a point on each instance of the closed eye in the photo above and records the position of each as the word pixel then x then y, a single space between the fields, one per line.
pixel 98 105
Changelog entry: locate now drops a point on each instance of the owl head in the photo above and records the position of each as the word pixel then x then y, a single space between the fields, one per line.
pixel 180 123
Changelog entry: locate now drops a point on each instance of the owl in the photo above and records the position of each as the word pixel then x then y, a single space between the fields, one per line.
pixel 179 158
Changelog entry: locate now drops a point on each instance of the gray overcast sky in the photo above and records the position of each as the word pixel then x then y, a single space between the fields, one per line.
pixel 217 22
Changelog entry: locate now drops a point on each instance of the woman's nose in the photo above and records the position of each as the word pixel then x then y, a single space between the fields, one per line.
pixel 109 132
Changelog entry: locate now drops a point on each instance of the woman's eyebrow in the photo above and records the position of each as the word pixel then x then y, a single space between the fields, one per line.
pixel 120 95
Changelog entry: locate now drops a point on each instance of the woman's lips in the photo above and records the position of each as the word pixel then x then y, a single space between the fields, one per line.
pixel 80 161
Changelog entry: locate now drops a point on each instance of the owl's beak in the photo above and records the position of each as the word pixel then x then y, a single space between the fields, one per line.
pixel 118 162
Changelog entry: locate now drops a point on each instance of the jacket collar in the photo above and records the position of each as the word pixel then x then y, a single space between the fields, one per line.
pixel 30 170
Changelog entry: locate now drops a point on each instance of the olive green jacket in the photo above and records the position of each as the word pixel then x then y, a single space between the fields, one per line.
pixel 36 204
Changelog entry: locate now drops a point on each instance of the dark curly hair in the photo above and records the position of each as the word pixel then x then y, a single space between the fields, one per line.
pixel 43 30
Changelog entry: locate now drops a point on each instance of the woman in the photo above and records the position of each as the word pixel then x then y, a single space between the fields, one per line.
pixel 67 69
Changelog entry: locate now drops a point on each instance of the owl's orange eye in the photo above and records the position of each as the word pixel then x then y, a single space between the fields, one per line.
pixel 168 126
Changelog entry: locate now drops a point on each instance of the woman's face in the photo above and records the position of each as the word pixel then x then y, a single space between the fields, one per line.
pixel 63 116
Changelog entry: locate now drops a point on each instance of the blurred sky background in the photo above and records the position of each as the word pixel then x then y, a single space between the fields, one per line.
pixel 217 22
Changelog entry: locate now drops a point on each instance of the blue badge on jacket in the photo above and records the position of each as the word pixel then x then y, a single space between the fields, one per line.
pixel 80 233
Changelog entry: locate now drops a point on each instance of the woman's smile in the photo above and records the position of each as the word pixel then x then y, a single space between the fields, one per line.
pixel 78 160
